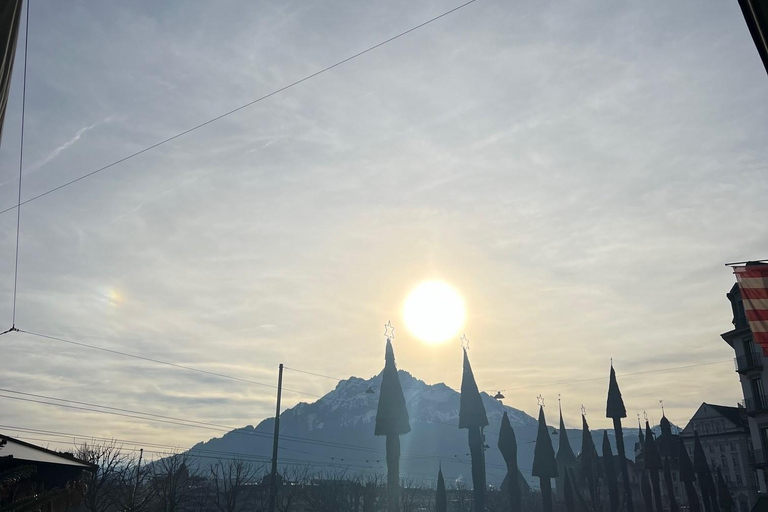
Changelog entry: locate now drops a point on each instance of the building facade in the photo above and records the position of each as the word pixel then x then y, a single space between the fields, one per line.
pixel 724 435
pixel 750 365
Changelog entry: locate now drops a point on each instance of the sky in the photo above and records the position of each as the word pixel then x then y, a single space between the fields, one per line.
pixel 578 171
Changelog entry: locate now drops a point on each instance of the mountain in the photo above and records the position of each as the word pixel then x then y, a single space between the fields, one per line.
pixel 335 434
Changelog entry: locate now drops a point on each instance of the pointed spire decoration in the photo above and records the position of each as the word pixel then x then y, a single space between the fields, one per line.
pixel 645 489
pixel 609 472
pixel 544 464
pixel 615 406
pixel 703 475
pixel 640 433
pixel 652 463
pixel 570 505
pixel 472 417
pixel 392 415
pixel 441 500
pixel 670 485
pixel 724 496
pixel 589 468
pixel 688 477
pixel 392 421
pixel 508 449
pixel 615 410
pixel 471 408
pixel 565 453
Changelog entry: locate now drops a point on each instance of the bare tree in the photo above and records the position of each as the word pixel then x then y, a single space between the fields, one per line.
pixel 461 497
pixel 103 484
pixel 133 493
pixel 230 480
pixel 172 483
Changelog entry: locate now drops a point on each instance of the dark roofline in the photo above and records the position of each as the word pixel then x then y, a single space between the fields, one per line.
pixel 91 466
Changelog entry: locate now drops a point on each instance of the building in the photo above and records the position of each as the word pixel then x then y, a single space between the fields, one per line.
pixel 55 475
pixel 749 363
pixel 724 435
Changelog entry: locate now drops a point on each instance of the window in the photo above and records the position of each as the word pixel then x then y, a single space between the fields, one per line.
pixel 735 460
pixel 711 448
pixel 738 478
pixel 733 446
pixel 722 448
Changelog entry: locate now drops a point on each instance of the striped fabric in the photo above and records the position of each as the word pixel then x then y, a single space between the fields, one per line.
pixel 753 282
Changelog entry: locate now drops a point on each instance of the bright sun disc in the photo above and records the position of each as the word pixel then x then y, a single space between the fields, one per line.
pixel 434 312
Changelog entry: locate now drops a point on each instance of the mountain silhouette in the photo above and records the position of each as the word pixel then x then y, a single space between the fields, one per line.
pixel 335 434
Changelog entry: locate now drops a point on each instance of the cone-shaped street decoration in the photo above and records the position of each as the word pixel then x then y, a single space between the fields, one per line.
pixel 640 433
pixel 565 457
pixel 645 489
pixel 615 410
pixel 701 468
pixel 508 449
pixel 589 469
pixel 652 462
pixel 570 505
pixel 472 417
pixel 670 486
pixel 724 496
pixel 544 464
pixel 609 471
pixel 392 421
pixel 441 500
pixel 687 476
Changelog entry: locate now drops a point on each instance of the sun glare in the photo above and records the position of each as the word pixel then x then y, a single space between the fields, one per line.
pixel 434 312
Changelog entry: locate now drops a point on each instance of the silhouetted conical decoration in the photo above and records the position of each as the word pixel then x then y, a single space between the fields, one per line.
pixel 701 468
pixel 589 468
pixel 570 505
pixel 615 406
pixel 392 421
pixel 645 489
pixel 544 464
pixel 471 408
pixel 670 486
pixel 615 410
pixel 640 434
pixel 652 463
pixel 724 496
pixel 688 477
pixel 565 457
pixel 472 417
pixel 609 473
pixel 508 449
pixel 441 501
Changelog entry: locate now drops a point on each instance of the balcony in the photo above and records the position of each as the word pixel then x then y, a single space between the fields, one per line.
pixel 756 404
pixel 758 458
pixel 748 362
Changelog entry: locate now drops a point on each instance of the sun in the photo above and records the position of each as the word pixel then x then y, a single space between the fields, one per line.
pixel 434 312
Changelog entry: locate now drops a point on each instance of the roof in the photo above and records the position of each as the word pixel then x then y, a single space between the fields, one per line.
pixel 21 450
pixel 761 505
pixel 730 413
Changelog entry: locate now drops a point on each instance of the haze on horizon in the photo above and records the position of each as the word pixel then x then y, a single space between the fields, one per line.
pixel 578 172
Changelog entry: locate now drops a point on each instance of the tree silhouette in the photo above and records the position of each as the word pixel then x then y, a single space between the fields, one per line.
pixel 392 421
pixel 472 417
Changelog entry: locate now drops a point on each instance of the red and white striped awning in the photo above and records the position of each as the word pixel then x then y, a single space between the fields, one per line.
pixel 753 283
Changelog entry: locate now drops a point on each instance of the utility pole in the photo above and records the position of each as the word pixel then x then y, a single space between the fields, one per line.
pixel 273 474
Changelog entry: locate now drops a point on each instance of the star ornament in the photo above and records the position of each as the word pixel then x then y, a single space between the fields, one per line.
pixel 464 342
pixel 540 400
pixel 389 331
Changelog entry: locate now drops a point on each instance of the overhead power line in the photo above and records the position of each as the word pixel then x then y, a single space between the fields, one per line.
pixel 241 107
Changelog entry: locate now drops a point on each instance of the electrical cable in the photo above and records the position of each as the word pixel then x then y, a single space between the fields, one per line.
pixel 241 107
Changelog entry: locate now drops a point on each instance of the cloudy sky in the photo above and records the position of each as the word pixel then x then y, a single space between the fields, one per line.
pixel 578 171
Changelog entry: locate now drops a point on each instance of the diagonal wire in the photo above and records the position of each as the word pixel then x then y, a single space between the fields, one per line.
pixel 21 165
pixel 241 107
